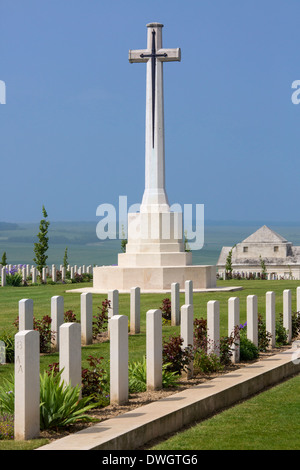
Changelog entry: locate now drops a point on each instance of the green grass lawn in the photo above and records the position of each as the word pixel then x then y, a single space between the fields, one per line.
pixel 41 295
pixel 268 421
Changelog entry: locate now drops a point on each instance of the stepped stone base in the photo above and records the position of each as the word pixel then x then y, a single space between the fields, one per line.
pixel 152 278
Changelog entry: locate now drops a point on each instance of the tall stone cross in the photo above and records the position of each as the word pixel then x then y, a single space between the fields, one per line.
pixel 155 197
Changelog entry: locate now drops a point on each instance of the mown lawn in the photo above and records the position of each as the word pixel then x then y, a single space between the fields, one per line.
pixel 41 295
pixel 268 421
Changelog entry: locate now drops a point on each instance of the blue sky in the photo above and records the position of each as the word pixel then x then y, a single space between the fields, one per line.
pixel 72 129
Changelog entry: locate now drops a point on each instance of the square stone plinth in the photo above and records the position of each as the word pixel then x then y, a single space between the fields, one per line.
pixel 152 278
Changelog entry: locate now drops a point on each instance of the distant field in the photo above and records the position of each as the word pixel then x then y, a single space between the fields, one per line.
pixel 85 248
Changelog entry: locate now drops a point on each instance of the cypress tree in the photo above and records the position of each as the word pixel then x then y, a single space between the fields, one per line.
pixel 41 247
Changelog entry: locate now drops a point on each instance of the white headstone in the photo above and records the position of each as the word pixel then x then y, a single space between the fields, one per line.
pixel 287 312
pixel 27 385
pixel 154 349
pixel 213 327
pixel 119 359
pixel 57 318
pixel 135 313
pixel 188 293
pixel 270 317
pixel 187 332
pixel 175 304
pixel 70 353
pixel 25 314
pixel 3 277
pixel 298 299
pixel 113 297
pixel 53 273
pixel 86 318
pixel 233 322
pixel 33 273
pixel 252 319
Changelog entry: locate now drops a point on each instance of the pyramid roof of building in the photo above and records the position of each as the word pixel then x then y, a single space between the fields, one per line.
pixel 265 235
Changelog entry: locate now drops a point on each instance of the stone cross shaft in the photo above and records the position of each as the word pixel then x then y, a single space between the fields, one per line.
pixel 155 197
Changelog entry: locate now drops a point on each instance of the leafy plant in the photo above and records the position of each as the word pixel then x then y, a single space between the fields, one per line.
pixel 281 336
pixel 263 335
pixel 70 317
pixel 295 324
pixel 43 326
pixel 4 259
pixel 41 247
pixel 123 241
pixel 95 381
pixel 263 268
pixel 6 426
pixel 248 350
pixel 61 404
pixel 228 265
pixel 13 277
pixel 177 357
pixel 9 341
pixel 65 261
pixel 7 395
pixel 137 376
pixel 166 309
pixel 101 319
pixel 206 363
pixel 200 334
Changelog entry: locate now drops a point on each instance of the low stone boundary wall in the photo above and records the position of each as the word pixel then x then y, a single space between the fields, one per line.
pixel 135 428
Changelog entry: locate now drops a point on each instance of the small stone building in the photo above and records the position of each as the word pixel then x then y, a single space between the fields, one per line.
pixel 281 258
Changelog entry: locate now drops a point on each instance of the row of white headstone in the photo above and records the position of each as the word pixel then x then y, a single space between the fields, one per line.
pixel 70 337
pixel 32 271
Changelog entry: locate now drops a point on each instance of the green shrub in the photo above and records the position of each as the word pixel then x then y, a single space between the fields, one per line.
pixel 177 357
pixel 7 396
pixel 166 310
pixel 206 363
pixel 101 319
pixel 60 403
pixel 9 340
pixel 281 336
pixel 6 426
pixel 263 335
pixel 295 324
pixel 137 376
pixel 248 350
pixel 60 406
